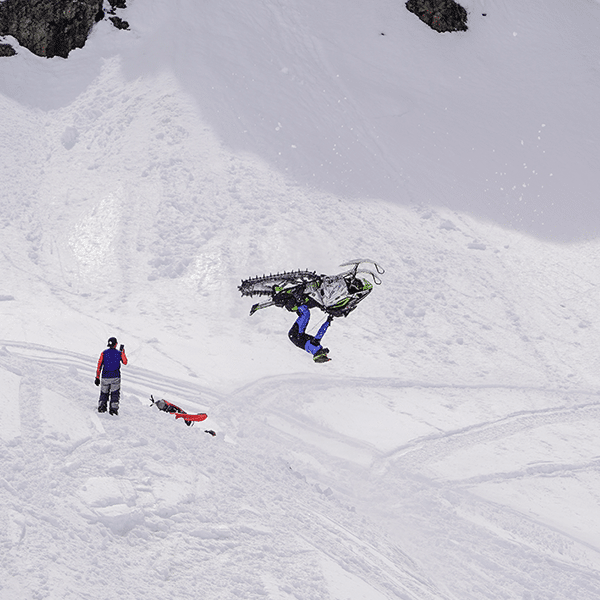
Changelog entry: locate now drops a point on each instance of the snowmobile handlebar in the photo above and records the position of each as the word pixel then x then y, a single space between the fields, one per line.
pixel 376 279
pixel 380 270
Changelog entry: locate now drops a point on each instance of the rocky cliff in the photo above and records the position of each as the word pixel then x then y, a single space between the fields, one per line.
pixel 53 27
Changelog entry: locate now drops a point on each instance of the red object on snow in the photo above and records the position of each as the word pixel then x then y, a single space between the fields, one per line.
pixel 187 417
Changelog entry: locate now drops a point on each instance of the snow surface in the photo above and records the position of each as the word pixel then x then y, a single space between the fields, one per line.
pixel 450 449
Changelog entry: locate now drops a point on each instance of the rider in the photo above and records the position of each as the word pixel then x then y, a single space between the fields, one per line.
pixel 295 301
pixel 300 338
pixel 108 376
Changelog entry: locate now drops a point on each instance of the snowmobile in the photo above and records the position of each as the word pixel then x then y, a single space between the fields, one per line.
pixel 337 295
pixel 179 413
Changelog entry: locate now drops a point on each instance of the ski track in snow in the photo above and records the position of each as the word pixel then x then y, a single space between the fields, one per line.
pixel 418 455
pixel 435 497
pixel 75 483
pixel 116 483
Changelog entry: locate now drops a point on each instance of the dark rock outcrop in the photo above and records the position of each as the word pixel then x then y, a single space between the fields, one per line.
pixel 52 27
pixel 440 15
pixel 7 50
pixel 116 4
pixel 119 23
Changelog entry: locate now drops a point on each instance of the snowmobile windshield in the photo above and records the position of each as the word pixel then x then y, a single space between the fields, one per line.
pixel 332 291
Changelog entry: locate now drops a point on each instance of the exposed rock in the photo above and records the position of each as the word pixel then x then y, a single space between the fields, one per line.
pixel 53 27
pixel 440 15
pixel 7 50
pixel 116 4
pixel 119 23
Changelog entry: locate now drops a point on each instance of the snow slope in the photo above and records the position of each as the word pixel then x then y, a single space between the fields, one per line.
pixel 449 450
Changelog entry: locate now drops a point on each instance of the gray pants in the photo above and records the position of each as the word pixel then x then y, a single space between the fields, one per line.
pixel 110 386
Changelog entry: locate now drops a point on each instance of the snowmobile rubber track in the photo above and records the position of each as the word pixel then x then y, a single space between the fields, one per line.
pixel 252 286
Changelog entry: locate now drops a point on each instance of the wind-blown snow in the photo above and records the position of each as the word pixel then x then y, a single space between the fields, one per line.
pixel 449 451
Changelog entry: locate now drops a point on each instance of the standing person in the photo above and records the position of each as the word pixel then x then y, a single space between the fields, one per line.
pixel 300 338
pixel 109 365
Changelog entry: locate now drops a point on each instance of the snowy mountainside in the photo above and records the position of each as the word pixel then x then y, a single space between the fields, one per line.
pixel 448 451
pixel 144 505
pixel 364 101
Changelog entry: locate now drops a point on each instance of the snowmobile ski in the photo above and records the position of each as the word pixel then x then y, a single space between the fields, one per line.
pixel 187 417
pixel 260 305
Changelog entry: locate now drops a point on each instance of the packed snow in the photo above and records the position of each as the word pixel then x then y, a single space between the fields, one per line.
pixel 449 451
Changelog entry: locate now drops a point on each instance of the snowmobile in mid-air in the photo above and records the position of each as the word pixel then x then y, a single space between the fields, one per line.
pixel 337 295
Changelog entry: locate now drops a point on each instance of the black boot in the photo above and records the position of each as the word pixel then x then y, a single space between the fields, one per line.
pixel 321 355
